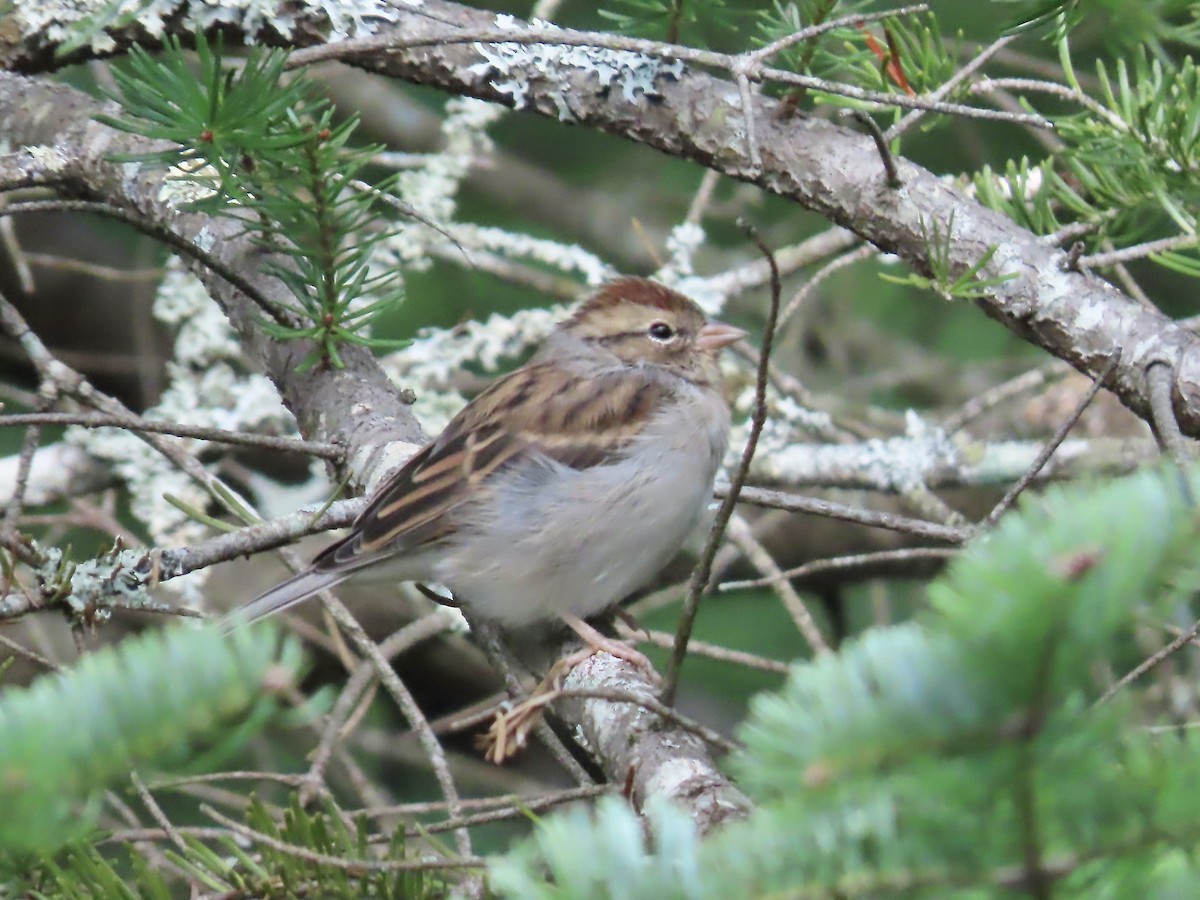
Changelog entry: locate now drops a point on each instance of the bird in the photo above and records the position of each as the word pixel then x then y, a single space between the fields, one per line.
pixel 565 485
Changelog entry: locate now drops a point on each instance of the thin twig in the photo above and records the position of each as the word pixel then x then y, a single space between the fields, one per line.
pixel 729 63
pixel 25 652
pixel 408 705
pixel 136 423
pixel 700 575
pixel 516 807
pixel 1151 662
pixel 859 253
pixel 29 445
pixel 1138 251
pixel 348 865
pixel 717 652
pixel 157 814
pixel 19 258
pixel 408 636
pixel 94 270
pixel 891 176
pixel 1001 393
pixel 797 503
pixel 837 563
pixel 943 90
pixel 1060 435
pixel 167 236
pixel 703 197
pixel 1054 89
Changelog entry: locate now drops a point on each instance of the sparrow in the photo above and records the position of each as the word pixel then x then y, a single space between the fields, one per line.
pixel 565 485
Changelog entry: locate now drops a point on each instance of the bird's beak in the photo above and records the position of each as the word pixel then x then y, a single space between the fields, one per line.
pixel 716 335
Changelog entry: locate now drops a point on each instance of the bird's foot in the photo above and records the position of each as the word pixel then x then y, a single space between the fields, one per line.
pixel 509 731
pixel 600 643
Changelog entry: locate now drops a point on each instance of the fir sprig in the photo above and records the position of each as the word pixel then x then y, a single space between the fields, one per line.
pixel 261 148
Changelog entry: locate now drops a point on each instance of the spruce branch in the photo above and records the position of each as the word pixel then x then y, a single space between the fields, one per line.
pixel 148 701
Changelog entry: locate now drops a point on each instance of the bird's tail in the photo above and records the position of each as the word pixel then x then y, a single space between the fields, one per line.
pixel 281 596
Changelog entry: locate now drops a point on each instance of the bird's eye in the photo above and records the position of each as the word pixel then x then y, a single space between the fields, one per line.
pixel 661 331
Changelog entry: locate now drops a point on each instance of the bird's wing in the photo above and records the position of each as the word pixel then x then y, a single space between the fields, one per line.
pixel 586 421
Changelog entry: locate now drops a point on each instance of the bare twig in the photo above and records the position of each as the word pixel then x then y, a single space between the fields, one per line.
pixel 1138 251
pixel 93 270
pixel 408 705
pixel 137 423
pixel 717 652
pixel 167 236
pixel 1151 662
pixel 338 862
pixel 23 651
pixel 700 575
pixel 1160 378
pixel 1001 393
pixel 891 176
pixel 515 807
pixel 729 63
pixel 1056 439
pixel 944 90
pixel 798 503
pixel 858 254
pixel 157 814
pixel 411 634
pixel 837 563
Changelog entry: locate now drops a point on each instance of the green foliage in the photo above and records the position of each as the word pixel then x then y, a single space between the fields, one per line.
pixel 1029 14
pixel 1145 152
pixel 1147 23
pixel 901 54
pixel 966 754
pixel 258 147
pixel 619 862
pixel 674 21
pixel 943 279
pixel 145 702
pixel 222 118
pixel 1036 197
pixel 1129 166
pixel 81 873
pixel 307 854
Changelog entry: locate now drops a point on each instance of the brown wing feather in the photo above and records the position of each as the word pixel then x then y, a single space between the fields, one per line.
pixel 576 425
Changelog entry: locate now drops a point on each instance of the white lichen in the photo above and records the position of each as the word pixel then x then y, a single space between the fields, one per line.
pixel 566 258
pixel 47 159
pixel 635 75
pixel 901 464
pixel 191 181
pixel 432 188
pixel 57 21
pixel 54 471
